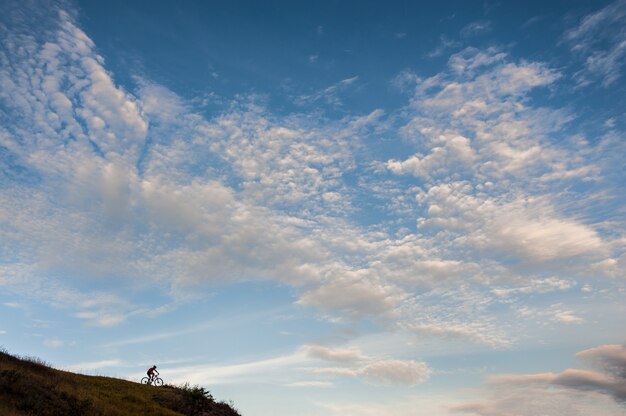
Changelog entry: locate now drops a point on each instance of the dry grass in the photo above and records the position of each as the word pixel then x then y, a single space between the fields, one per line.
pixel 29 386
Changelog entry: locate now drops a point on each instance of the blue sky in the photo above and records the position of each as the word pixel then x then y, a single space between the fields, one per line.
pixel 342 208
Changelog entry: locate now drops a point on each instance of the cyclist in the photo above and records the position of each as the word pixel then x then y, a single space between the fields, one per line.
pixel 152 373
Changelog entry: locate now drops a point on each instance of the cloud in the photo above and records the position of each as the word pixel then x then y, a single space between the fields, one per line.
pixel 611 358
pixel 354 295
pixel 472 121
pixel 526 228
pixel 477 28
pixel 385 372
pixel 445 44
pixel 275 369
pixel 573 391
pixel 333 354
pixel 371 369
pixel 452 151
pixel 530 401
pixel 600 40
pixel 136 187
pixel 328 95
pixel 536 286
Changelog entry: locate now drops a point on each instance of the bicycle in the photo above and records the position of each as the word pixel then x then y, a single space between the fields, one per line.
pixel 152 380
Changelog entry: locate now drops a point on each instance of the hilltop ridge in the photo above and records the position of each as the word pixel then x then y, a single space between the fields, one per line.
pixel 29 386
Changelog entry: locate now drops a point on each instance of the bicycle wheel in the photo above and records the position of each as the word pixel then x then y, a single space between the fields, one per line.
pixel 158 382
pixel 145 380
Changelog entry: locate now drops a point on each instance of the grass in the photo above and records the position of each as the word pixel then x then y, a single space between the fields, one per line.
pixel 30 386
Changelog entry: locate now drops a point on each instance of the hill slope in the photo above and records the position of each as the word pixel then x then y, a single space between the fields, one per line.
pixel 29 387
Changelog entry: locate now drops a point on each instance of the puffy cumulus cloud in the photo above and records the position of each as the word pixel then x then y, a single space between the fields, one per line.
pixel 611 267
pixel 572 391
pixel 452 152
pixel 600 40
pixel 566 317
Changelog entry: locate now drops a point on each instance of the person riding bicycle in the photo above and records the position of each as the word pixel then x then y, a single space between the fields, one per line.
pixel 152 373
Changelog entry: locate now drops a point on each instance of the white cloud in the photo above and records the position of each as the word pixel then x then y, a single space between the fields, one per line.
pixel 452 152
pixel 476 28
pixel 526 228
pixel 548 285
pixel 601 42
pixel 353 295
pixel 396 372
pixel 566 317
pixel 266 370
pixel 390 372
pixel 445 44
pixel 611 358
pixel 253 195
pixel 573 391
pixel 333 354
pixel 328 95
pixel 475 115
pixel 530 401
pixel 371 369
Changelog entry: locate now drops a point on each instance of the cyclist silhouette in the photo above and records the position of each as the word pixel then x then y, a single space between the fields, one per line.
pixel 152 373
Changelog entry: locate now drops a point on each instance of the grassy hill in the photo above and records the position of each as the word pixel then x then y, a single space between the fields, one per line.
pixel 30 387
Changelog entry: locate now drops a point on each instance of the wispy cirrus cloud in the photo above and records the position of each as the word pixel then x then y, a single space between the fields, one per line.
pixel 329 95
pixel 600 40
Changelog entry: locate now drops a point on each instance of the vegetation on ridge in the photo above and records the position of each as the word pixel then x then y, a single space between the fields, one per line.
pixel 29 386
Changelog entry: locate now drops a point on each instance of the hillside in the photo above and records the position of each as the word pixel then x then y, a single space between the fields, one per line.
pixel 30 387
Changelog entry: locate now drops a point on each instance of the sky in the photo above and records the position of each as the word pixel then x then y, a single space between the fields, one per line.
pixel 321 208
